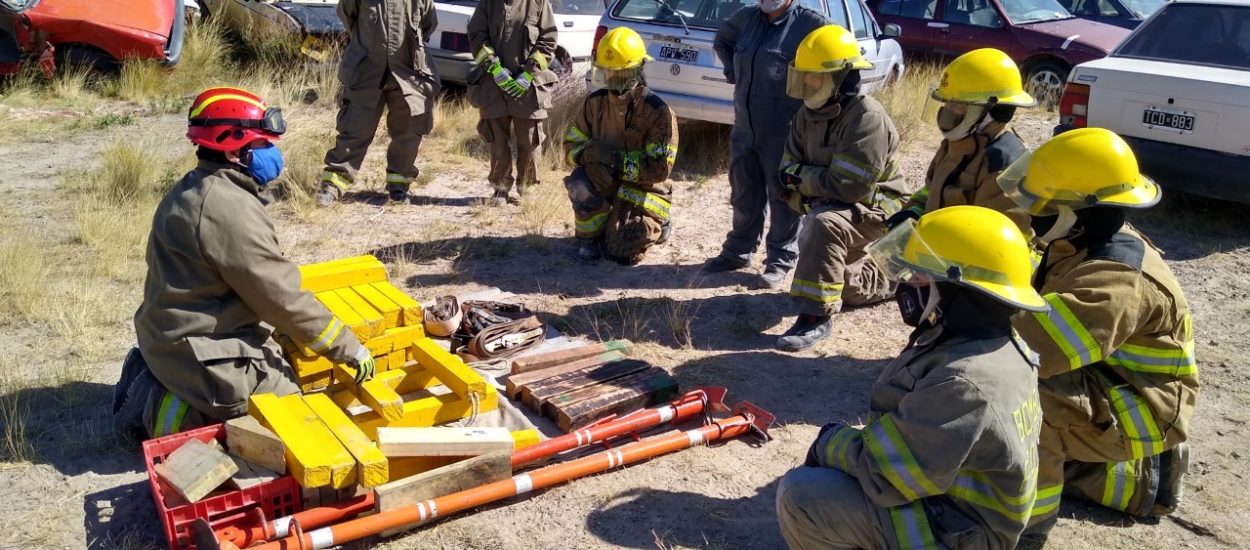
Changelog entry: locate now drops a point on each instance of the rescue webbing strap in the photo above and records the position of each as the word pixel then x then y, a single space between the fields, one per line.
pixel 654 204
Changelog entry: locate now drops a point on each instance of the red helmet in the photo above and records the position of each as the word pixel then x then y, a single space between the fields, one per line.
pixel 227 119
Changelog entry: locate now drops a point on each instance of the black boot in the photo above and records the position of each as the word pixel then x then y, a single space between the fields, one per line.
pixel 806 332
pixel 1173 464
pixel 589 251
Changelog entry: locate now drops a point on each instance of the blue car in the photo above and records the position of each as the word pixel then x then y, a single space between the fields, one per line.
pixel 1121 13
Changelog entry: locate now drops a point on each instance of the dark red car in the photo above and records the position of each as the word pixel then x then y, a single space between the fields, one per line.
pixel 100 33
pixel 1040 35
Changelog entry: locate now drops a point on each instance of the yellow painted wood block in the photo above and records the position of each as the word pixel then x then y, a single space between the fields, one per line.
pixel 361 327
pixel 448 369
pixel 315 382
pixel 307 366
pixel 313 454
pixel 398 358
pixel 405 336
pixel 371 465
pixel 392 314
pixel 427 411
pixel 362 308
pixel 411 309
pixel 320 268
pixel 525 438
pixel 330 276
pixel 402 467
pixel 374 393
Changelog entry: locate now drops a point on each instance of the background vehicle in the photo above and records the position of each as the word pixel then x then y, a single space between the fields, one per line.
pixel 318 18
pixel 1183 105
pixel 1121 13
pixel 1040 35
pixel 689 76
pixel 99 33
pixel 575 22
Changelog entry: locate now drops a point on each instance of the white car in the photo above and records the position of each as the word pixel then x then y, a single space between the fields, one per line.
pixel 1178 91
pixel 575 23
pixel 689 76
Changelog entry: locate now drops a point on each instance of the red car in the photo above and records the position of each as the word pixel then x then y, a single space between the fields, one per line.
pixel 1040 35
pixel 100 33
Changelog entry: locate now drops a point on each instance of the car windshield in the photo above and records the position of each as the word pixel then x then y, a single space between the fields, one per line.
pixel 1215 35
pixel 578 7
pixel 16 5
pixel 707 14
pixel 1142 9
pixel 1033 11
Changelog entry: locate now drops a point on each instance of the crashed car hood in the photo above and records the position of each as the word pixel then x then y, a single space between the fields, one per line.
pixel 151 16
pixel 314 16
pixel 1097 35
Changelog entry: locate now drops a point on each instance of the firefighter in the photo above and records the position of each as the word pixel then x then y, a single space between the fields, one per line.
pixel 623 143
pixel 513 43
pixel 973 106
pixel 384 67
pixel 948 458
pixel 756 44
pixel 1118 377
pixel 838 171
pixel 217 281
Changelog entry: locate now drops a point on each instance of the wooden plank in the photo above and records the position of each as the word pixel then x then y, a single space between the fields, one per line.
pixel 513 386
pixel 454 477
pixel 392 314
pixel 448 369
pixel 314 455
pixel 315 382
pixel 427 411
pixel 525 438
pixel 371 465
pixel 340 309
pixel 195 469
pixel 246 438
pixel 443 441
pixel 322 279
pixel 411 309
pixel 480 296
pixel 337 264
pixel 579 408
pixel 372 318
pixel 407 466
pixel 403 381
pixel 375 393
pixel 250 475
pixel 380 346
pixel 535 394
pixel 397 359
pixel 546 360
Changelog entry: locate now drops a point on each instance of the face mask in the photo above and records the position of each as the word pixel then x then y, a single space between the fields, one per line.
pixel 266 164
pixel 772 6
pixel 1052 228
pixel 956 127
pixel 916 303
pixel 821 96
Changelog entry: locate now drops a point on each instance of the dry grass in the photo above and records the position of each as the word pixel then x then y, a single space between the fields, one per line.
pixel 905 102
pixel 14 410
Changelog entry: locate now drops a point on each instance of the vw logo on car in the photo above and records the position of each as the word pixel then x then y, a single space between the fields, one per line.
pixel 675 69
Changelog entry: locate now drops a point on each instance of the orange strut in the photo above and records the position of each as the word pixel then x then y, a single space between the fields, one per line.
pixel 422 512
pixel 281 527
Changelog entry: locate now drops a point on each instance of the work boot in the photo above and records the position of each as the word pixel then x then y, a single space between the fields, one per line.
pixel 721 264
pixel 1173 464
pixel 397 192
pixel 666 231
pixel 1034 538
pixel 500 198
pixel 806 332
pixel 772 278
pixel 589 251
pixel 329 194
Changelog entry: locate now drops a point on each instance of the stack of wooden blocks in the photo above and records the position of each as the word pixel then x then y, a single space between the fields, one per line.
pixel 579 386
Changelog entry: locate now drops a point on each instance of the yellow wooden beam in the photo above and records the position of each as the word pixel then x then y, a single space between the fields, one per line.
pixel 397 359
pixel 380 346
pixel 404 336
pixel 371 465
pixel 371 316
pixel 525 438
pixel 392 314
pixel 313 454
pixel 364 329
pixel 314 382
pixel 329 277
pixel 427 411
pixel 448 369
pixel 374 393
pixel 411 309
pixel 337 264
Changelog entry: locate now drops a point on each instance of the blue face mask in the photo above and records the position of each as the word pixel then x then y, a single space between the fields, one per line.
pixel 266 164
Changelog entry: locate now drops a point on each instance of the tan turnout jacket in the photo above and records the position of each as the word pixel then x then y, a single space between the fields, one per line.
pixel 517 30
pixel 966 172
pixel 388 37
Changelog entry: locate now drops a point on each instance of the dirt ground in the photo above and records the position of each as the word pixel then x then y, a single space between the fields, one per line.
pixel 79 489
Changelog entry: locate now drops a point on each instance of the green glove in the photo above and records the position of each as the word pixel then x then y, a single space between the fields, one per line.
pixel 364 364
pixel 523 83
pixel 502 77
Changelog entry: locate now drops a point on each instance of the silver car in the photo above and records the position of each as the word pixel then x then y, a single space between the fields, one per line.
pixel 686 72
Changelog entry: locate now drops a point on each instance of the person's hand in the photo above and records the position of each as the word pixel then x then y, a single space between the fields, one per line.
pixel 790 178
pixel 798 203
pixel 522 84
pixel 364 364
pixel 502 77
pixel 901 216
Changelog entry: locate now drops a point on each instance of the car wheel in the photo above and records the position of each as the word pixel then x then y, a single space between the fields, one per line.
pixel 1045 82
pixel 81 56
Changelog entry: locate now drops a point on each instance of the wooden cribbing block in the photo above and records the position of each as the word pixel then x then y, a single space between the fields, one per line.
pixel 371 466
pixel 516 381
pixel 250 475
pixel 362 308
pixel 525 438
pixel 375 393
pixel 392 314
pixel 195 469
pixel 535 394
pixel 337 264
pixel 444 441
pixel 313 454
pixel 401 380
pixel 340 309
pixel 317 278
pixel 397 359
pixel 405 337
pixel 623 395
pixel 315 382
pixel 247 439
pixel 562 357
pixel 427 411
pixel 411 309
pixel 448 369
pixel 405 466
pixel 380 346
pixel 452 478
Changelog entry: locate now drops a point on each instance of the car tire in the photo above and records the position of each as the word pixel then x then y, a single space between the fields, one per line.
pixel 1045 82
pixel 83 56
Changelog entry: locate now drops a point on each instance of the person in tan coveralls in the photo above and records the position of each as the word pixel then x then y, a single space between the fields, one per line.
pixel 217 285
pixel 838 170
pixel 383 67
pixel 623 143
pixel 973 106
pixel 513 42
pixel 948 458
pixel 1119 381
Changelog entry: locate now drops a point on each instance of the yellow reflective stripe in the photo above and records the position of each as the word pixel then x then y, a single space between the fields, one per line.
pixel 820 292
pixel 662 150
pixel 540 59
pixel 837 451
pixel 170 415
pixel 976 487
pixel 197 109
pixel 327 336
pixel 654 204
pixel 1068 332
pixel 572 156
pixel 392 177
pixel 575 135
pixel 1047 501
pixel 1119 485
pixel 896 461
pixel 853 169
pixel 1145 438
pixel 631 166
pixel 336 179
pixel 921 197
pixel 1170 361
pixel 911 527
pixel 592 224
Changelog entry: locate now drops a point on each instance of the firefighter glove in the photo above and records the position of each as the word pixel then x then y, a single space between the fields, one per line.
pixel 502 77
pixel 903 215
pixel 789 178
pixel 364 364
pixel 523 83
pixel 816 453
pixel 486 57
pixel 798 203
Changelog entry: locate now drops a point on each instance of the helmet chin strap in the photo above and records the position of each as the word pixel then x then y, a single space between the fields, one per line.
pixel 1065 222
pixel 930 312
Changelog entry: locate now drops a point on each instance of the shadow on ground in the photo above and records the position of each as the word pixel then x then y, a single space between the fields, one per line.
pixel 642 518
pixel 70 428
pixel 1188 227
pixel 122 517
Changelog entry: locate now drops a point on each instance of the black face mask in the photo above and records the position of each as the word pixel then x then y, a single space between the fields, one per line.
pixel 911 303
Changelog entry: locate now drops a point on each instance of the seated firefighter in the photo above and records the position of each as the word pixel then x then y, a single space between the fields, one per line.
pixel 948 458
pixel 623 143
pixel 217 281
pixel 838 170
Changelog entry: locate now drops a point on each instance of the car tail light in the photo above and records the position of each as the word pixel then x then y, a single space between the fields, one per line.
pixel 1074 105
pixel 455 42
pixel 599 32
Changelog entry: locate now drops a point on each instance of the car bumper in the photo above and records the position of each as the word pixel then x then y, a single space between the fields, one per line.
pixel 694 107
pixel 173 47
pixel 1189 169
pixel 451 66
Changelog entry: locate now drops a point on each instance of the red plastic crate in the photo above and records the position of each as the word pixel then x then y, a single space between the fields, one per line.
pixel 277 498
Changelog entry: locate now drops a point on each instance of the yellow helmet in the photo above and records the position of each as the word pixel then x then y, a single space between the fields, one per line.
pixel 967 245
pixel 621 48
pixel 827 49
pixel 1079 169
pixel 980 77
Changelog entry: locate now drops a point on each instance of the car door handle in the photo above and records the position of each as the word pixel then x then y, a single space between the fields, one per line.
pixel 936 25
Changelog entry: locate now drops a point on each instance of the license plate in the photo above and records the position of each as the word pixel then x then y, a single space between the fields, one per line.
pixel 678 53
pixel 1177 121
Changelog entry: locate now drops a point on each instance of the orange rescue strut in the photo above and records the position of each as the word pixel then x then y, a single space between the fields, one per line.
pixel 747 419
